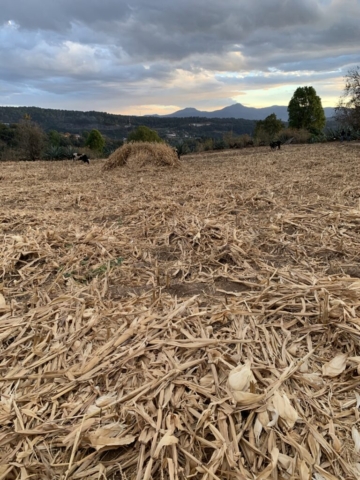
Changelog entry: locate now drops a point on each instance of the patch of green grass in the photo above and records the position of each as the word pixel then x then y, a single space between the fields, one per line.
pixel 105 267
pixel 116 262
pixel 69 274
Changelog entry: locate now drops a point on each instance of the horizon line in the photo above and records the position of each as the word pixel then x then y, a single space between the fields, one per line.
pixel 149 114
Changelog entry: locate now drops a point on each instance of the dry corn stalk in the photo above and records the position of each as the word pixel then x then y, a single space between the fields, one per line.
pixel 130 305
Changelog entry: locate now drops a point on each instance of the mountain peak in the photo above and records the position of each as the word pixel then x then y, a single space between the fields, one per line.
pixel 238 110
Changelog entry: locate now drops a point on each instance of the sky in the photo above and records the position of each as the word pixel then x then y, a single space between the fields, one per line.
pixel 141 57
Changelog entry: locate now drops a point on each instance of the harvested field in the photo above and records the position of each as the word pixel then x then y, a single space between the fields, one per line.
pixel 200 322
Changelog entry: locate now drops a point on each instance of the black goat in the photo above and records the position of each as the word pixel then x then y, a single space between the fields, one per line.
pixel 81 156
pixel 273 145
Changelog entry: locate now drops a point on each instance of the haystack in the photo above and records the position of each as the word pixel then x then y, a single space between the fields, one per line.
pixel 139 154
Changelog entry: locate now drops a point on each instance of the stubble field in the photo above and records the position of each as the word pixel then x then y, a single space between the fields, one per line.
pixel 128 298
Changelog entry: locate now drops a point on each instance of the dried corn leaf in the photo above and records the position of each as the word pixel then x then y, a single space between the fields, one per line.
pixel 99 442
pixel 270 468
pixel 356 437
pixel 241 377
pixel 2 301
pixel 166 440
pixel 335 367
pixel 283 407
pixel 133 302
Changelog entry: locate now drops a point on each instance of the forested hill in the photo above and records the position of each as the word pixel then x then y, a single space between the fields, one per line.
pixel 118 126
pixel 62 120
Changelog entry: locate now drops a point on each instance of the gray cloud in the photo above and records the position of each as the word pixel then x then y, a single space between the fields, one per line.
pixel 115 55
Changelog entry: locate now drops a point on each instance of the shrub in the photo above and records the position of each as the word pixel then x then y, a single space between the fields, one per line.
pixel 268 128
pixel 144 134
pixel 263 138
pixel 219 145
pixel 31 138
pixel 320 138
pixel 238 141
pixel 95 141
pixel 298 135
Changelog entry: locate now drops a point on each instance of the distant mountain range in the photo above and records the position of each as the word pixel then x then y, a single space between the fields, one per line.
pixel 240 111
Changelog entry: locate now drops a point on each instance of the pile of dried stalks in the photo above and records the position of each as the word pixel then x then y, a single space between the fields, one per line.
pixel 140 154
pixel 206 329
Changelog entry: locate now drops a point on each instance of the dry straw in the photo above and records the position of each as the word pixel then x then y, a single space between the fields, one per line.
pixel 140 154
pixel 204 329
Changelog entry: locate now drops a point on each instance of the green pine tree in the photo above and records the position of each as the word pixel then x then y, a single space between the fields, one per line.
pixel 305 110
pixel 270 127
pixel 95 141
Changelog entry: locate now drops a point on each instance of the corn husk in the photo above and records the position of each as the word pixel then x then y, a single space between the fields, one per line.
pixel 241 378
pixel 284 409
pixel 356 437
pixel 335 367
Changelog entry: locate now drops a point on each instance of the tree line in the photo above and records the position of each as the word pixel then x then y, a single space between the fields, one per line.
pixel 26 140
pixel 117 127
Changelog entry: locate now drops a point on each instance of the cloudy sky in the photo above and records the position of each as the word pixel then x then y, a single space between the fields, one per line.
pixel 157 56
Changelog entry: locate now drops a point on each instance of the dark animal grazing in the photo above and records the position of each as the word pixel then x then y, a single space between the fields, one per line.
pixel 81 156
pixel 273 145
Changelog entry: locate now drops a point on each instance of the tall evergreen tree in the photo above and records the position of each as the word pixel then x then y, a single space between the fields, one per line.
pixel 95 141
pixel 305 110
pixel 270 126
